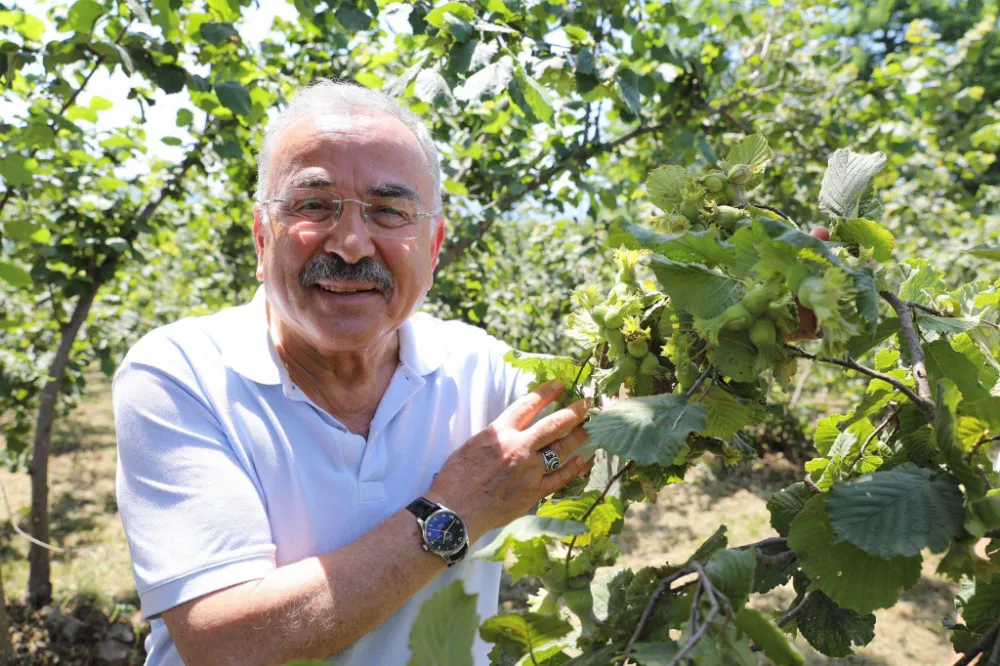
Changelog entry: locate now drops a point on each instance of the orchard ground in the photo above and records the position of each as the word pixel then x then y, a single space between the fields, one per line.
pixel 84 515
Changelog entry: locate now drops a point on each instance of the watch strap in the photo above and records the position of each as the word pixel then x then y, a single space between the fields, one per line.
pixel 422 508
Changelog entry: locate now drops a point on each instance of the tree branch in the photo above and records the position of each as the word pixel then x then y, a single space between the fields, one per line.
pixel 926 406
pixel 795 612
pixel 600 498
pixel 979 648
pixel 917 365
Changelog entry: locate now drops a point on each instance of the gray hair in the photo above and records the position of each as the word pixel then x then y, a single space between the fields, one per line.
pixel 327 97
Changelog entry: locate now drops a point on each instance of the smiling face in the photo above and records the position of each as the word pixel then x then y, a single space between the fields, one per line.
pixel 356 157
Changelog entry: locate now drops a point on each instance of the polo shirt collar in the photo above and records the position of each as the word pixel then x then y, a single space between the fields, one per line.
pixel 252 353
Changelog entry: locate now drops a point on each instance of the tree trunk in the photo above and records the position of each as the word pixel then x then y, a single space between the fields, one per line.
pixel 6 649
pixel 39 585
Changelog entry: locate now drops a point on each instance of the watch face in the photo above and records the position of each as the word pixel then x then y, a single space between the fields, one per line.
pixel 444 532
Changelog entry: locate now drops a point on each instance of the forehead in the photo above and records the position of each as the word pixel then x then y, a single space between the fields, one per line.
pixel 350 149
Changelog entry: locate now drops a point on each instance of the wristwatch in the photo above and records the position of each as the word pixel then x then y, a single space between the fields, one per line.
pixel 443 530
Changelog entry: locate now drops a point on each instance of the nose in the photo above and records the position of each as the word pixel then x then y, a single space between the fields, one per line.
pixel 349 237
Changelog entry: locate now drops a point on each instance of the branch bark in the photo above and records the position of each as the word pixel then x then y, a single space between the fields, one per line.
pixel 909 331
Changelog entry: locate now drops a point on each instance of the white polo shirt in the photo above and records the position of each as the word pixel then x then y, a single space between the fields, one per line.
pixel 226 470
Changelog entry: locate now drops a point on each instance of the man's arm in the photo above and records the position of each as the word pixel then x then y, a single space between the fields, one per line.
pixel 319 606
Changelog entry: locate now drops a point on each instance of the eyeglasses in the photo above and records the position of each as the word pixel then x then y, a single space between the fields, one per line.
pixel 317 210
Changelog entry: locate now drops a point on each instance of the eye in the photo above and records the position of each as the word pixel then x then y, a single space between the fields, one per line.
pixel 312 204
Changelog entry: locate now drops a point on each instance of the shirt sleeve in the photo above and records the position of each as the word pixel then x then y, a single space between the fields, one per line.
pixel 193 515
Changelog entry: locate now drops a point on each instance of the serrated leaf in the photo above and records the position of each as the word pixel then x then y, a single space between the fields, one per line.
pixel 897 512
pixel 444 630
pixel 628 90
pixel 234 97
pixel 546 367
pixel 700 291
pixel 734 356
pixel 785 504
pixel 731 572
pixel 532 559
pixel 519 631
pixel 775 566
pixel 649 429
pixel 214 33
pixel 602 519
pixel 490 81
pixel 943 362
pixel 657 653
pixel 727 415
pixel 752 150
pixel 864 342
pixel 847 182
pixel 665 186
pixel 922 278
pixel 945 422
pixel 15 170
pixel 710 546
pixel 527 528
pixel 831 629
pixel 848 575
pixel 431 87
pixel 695 247
pixel 946 325
pixel 535 95
pixel 867 234
pixel 766 635
pixel 436 16
pixel 869 463
pixel 396 87
pixel 979 603
pixel 83 15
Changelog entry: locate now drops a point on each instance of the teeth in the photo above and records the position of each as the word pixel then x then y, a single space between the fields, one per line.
pixel 335 290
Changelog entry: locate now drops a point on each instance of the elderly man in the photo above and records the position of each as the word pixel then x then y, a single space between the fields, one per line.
pixel 298 474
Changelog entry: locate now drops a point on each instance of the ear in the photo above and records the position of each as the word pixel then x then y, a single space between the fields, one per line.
pixel 259 234
pixel 437 240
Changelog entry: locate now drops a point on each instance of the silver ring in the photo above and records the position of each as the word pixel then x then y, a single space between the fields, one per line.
pixel 551 458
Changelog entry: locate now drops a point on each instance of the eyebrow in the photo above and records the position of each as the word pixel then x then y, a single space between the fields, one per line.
pixel 314 181
pixel 383 189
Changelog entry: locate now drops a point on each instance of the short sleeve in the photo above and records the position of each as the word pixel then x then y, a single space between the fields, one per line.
pixel 194 517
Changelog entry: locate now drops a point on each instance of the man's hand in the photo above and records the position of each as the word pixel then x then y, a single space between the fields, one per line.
pixel 498 475
pixel 808 326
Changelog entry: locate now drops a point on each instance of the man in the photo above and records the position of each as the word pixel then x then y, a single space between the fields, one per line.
pixel 298 474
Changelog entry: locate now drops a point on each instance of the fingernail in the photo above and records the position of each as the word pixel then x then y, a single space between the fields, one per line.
pixel 557 385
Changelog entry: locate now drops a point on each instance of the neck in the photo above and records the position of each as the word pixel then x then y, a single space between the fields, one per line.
pixel 347 384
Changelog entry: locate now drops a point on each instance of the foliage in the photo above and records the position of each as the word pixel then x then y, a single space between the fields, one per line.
pixel 678 366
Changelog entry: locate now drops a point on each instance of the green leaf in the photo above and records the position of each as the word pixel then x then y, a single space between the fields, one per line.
pixel 214 33
pixel 734 356
pixel 832 629
pixel 604 518
pixel 897 512
pixel 657 653
pixel 83 15
pixel 868 234
pixel 847 183
pixel 445 628
pixel 184 117
pixel 766 635
pixel 848 575
pixel 986 252
pixel 979 603
pixel 431 87
pixel 527 528
pixel 535 95
pixel 532 559
pixel 649 429
pixel 352 18
pixel 234 97
pixel 627 85
pixel 15 170
pixel 731 572
pixel 546 367
pixel 490 81
pixel 752 150
pixel 710 546
pixel 696 247
pixel 170 78
pixel 948 399
pixel 727 415
pixel 436 16
pixel 665 186
pixel 459 28
pixel 785 504
pixel 30 27
pixel 14 275
pixel 700 291
pixel 516 632
pixel 943 362
pixel 864 342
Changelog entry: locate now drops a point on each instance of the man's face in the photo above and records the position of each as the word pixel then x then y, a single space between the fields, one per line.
pixel 353 156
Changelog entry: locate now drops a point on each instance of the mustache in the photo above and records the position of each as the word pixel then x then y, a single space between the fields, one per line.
pixel 333 267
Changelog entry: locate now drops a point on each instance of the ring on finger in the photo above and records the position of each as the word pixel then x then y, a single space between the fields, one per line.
pixel 551 458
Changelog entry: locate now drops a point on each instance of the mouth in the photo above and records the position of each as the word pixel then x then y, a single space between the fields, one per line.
pixel 347 290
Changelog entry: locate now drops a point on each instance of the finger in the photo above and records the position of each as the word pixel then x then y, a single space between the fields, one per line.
pixel 553 481
pixel 566 445
pixel 557 424
pixel 523 411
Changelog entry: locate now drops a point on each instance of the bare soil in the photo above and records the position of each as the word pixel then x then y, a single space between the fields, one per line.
pixel 98 576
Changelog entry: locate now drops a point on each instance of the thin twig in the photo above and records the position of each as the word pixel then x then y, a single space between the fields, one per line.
pixel 985 439
pixel 979 647
pixel 576 380
pixel 764 543
pixel 648 610
pixel 795 612
pixel 600 499
pixel 928 310
pixel 697 385
pixel 874 433
pixel 917 365
pixel 706 584
pixel 926 406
